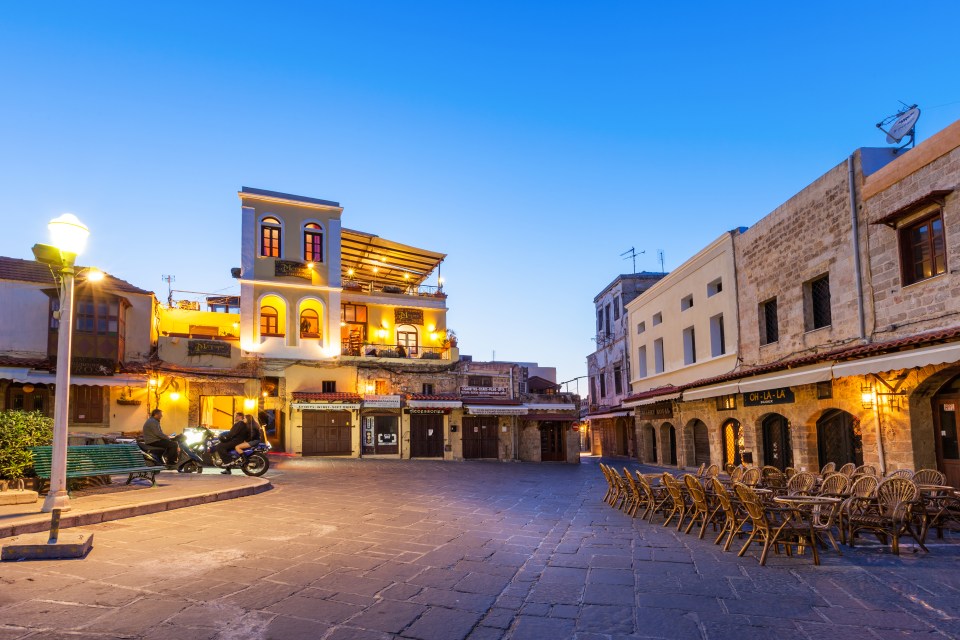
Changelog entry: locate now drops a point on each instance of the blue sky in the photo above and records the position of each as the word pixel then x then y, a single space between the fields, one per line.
pixel 533 144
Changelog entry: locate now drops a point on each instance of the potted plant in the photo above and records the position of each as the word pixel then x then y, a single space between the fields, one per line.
pixel 450 339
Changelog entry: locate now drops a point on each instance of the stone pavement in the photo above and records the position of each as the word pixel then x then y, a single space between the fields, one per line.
pixel 118 500
pixel 444 551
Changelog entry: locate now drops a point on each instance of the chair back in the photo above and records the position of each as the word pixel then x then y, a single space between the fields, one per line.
pixel 736 473
pixel 848 469
pixel 751 502
pixel 830 467
pixel 896 495
pixel 751 477
pixel 835 484
pixel 773 477
pixel 713 470
pixel 864 487
pixel 801 484
pixel 723 497
pixel 673 488
pixel 789 472
pixel 901 473
pixel 628 479
pixel 929 476
pixel 701 469
pixel 865 470
pixel 645 488
pixel 697 494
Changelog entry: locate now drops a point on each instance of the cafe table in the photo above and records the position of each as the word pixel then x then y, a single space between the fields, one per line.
pixel 817 511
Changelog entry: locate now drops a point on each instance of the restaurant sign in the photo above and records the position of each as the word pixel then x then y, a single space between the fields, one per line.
pixel 407 316
pixel 485 392
pixel 292 269
pixel 781 395
pixel 83 366
pixel 655 411
pixel 426 412
pixel 381 402
pixel 208 348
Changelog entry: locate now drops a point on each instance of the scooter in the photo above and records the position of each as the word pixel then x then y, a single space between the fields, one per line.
pixel 201 447
pixel 154 456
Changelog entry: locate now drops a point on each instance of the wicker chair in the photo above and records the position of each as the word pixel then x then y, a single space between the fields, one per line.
pixel 773 478
pixel 751 477
pixel 712 471
pixel 890 514
pixel 701 470
pixel 789 472
pixel 835 485
pixel 901 473
pixel 775 527
pixel 828 468
pixel 679 505
pixel 702 510
pixel 736 473
pixel 611 485
pixel 801 484
pixel 861 491
pixel 619 498
pixel 929 476
pixel 656 499
pixel 848 469
pixel 865 470
pixel 734 516
pixel 634 497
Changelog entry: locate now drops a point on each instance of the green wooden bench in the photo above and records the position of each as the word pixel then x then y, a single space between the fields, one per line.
pixel 98 460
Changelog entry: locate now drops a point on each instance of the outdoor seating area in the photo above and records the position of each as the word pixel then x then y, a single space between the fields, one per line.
pixel 791 511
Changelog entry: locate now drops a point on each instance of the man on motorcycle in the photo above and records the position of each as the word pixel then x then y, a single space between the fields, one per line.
pixel 236 435
pixel 154 437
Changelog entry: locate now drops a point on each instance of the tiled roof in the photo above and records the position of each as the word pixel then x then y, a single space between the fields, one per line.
pixel 244 370
pixel 834 355
pixel 26 363
pixel 316 396
pixel 491 401
pixel 33 271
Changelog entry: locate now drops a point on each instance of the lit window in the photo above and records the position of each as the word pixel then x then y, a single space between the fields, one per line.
pixel 923 251
pixel 268 321
pixel 270 238
pixel 309 324
pixel 312 242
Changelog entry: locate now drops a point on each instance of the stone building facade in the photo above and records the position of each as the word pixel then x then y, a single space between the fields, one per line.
pixel 849 326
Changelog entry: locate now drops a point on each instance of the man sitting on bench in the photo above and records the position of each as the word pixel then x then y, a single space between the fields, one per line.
pixel 155 438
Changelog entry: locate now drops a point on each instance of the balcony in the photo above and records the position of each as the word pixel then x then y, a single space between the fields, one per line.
pixel 393 351
pixel 376 288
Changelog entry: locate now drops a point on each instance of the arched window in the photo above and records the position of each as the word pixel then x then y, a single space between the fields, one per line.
pixel 268 321
pixel 732 442
pixel 309 324
pixel 270 238
pixel 312 242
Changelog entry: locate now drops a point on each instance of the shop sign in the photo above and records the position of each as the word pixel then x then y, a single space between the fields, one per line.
pixel 782 395
pixel 655 411
pixel 497 411
pixel 408 316
pixel 325 406
pixel 381 402
pixel 485 392
pixel 291 268
pixel 81 366
pixel 427 412
pixel 208 348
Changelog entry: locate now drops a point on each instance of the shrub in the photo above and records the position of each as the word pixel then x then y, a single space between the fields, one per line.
pixel 19 431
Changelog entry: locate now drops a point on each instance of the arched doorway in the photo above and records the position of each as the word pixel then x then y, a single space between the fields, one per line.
pixel 622 437
pixel 732 442
pixel 701 443
pixel 650 442
pixel 777 451
pixel 668 436
pixel 838 438
pixel 946 403
pixel 552 442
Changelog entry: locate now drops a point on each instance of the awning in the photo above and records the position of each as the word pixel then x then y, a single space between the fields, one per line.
pixel 434 404
pixel 17 374
pixel 325 406
pixel 652 399
pixel 788 378
pixel 552 417
pixel 923 357
pixel 546 406
pixel 712 391
pixel 495 410
pixel 609 414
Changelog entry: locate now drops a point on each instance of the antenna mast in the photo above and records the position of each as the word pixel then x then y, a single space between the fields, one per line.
pixel 632 254
pixel 169 280
pixel 660 255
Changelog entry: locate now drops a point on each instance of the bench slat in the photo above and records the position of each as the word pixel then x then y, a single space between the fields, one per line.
pixel 95 460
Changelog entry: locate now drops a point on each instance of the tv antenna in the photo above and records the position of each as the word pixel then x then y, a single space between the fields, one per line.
pixel 660 256
pixel 632 254
pixel 169 280
pixel 900 125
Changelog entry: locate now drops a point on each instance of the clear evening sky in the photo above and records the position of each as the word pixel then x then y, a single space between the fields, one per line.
pixel 533 142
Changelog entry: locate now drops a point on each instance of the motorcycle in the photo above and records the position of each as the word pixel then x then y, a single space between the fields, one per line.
pixel 154 456
pixel 201 446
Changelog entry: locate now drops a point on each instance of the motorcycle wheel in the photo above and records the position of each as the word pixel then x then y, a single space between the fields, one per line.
pixel 190 466
pixel 256 465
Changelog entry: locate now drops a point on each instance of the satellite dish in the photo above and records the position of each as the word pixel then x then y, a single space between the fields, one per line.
pixel 903 125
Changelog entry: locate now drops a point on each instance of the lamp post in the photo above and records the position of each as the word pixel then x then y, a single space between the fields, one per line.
pixel 69 237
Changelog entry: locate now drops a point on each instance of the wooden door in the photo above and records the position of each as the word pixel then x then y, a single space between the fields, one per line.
pixel 837 440
pixel 777 451
pixel 701 444
pixel 480 437
pixel 552 442
pixel 673 444
pixel 948 448
pixel 426 436
pixel 326 433
pixel 732 443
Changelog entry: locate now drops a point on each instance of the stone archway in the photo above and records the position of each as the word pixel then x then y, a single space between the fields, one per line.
pixel 649 444
pixel 668 443
pixel 699 442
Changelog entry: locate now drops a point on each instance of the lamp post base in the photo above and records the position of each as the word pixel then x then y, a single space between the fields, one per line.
pixel 56 500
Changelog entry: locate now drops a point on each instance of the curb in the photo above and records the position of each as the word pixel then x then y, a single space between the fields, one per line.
pixel 42 522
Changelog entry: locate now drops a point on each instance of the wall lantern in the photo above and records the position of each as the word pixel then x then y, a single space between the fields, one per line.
pixel 867 396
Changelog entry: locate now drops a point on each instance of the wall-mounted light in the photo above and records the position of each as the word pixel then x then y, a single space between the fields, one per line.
pixel 349 272
pixel 28 388
pixel 309 265
pixel 264 394
pixel 370 388
pixel 249 403
pixel 175 395
pixel 154 382
pixel 376 269
pixel 867 396
pixel 95 275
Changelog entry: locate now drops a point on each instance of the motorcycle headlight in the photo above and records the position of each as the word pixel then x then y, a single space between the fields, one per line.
pixel 192 436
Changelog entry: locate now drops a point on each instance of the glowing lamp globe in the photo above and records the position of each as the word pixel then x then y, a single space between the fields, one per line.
pixel 68 234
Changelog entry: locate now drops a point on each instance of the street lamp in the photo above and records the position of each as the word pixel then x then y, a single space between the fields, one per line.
pixel 69 237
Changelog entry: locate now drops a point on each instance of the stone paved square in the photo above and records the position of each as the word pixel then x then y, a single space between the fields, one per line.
pixel 380 549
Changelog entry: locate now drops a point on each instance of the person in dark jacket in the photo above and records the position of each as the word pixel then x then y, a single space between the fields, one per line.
pixel 153 436
pixel 236 435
